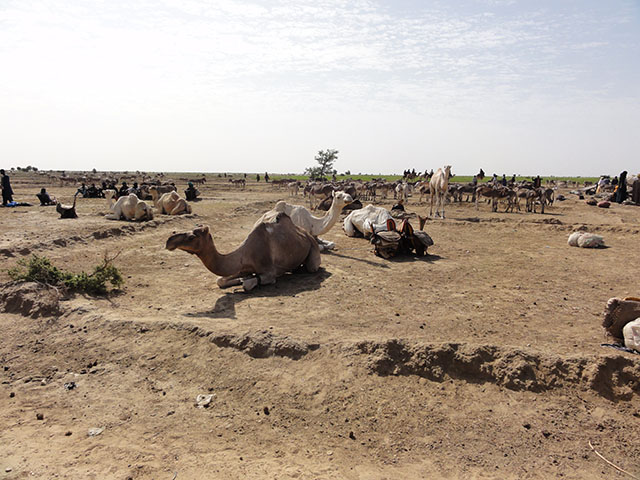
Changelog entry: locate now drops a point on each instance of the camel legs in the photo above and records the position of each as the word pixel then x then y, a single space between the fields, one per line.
pixel 248 283
pixel 349 229
pixel 226 282
pixel 431 203
pixel 177 210
pixel 312 262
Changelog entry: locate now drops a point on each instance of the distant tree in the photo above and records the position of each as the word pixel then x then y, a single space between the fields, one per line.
pixel 325 160
pixel 35 169
pixel 94 171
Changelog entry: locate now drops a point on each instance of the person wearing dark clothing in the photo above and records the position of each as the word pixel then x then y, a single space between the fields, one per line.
pixel 7 192
pixel 135 190
pixel 124 190
pixel 504 180
pixel 635 191
pixel 537 182
pixel 191 193
pixel 45 198
pixel 92 191
pixel 474 181
pixel 621 192
pixel 266 177
pixel 257 177
pixel 614 181
pixel 513 179
pixel 82 190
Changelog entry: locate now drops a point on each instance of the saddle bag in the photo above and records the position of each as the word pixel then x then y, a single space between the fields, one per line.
pixel 386 244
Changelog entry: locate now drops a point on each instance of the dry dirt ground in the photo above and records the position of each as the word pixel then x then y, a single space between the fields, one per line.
pixel 482 360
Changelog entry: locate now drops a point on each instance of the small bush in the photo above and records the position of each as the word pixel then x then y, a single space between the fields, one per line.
pixel 40 269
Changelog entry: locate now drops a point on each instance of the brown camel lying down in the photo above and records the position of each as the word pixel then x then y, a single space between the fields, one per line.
pixel 274 247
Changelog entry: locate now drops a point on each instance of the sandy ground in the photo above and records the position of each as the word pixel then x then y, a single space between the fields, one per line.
pixel 482 360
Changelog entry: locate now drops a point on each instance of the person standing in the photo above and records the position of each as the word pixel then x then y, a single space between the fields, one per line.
pixel 7 192
pixel 621 192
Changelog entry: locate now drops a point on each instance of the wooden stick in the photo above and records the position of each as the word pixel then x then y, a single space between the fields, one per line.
pixel 612 464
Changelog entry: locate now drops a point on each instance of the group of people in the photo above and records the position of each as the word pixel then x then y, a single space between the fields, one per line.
pixel 620 191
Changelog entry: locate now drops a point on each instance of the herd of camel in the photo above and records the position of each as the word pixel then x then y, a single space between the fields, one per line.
pixel 286 238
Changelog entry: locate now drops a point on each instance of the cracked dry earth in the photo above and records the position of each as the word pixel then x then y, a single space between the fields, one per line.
pixel 482 360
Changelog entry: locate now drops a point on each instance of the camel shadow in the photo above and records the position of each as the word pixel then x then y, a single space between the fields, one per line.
pixel 287 285
pixel 428 258
pixel 368 262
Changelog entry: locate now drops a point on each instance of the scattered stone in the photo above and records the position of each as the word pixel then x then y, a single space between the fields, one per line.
pixel 70 385
pixel 266 411
pixel 352 436
pixel 604 204
pixel 8 469
pixel 40 416
pixel 527 426
pixel 203 401
pixel 94 432
pixel 12 394
pixel 67 434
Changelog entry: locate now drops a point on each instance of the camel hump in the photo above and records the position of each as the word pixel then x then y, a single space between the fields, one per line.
pixel 280 206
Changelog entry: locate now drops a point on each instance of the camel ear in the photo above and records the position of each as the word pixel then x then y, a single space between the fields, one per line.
pixel 202 230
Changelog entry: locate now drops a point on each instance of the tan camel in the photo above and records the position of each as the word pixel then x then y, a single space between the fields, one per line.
pixel 438 186
pixel 303 218
pixel 170 203
pixel 130 207
pixel 273 248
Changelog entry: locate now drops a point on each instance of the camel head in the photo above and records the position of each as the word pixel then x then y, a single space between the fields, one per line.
pixel 143 211
pixel 341 198
pixel 447 170
pixel 191 242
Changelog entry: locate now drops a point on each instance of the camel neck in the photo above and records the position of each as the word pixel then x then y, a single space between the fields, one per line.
pixel 330 217
pixel 218 263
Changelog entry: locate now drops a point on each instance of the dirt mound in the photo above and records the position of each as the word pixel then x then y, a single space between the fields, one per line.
pixel 616 378
pixel 261 344
pixel 264 344
pixel 30 299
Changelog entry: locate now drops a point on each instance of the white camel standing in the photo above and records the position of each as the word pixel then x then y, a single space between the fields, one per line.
pixel 438 187
pixel 302 217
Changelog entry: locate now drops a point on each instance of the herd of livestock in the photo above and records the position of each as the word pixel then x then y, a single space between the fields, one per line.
pixel 516 196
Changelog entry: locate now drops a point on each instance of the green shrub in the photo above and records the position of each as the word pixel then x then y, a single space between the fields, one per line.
pixel 40 269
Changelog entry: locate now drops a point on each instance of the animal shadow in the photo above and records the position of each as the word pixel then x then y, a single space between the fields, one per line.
pixel 287 285
pixel 428 258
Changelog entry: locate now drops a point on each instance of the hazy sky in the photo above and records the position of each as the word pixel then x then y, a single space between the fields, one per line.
pixel 548 87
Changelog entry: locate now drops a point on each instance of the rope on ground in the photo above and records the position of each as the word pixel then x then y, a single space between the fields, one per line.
pixel 612 464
